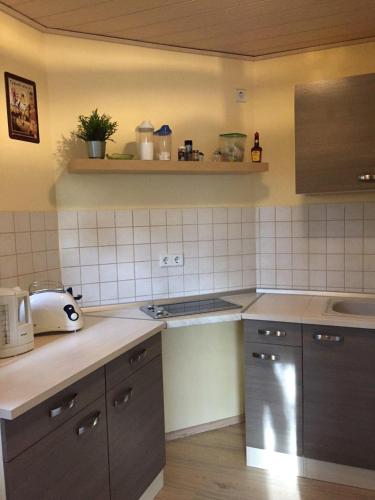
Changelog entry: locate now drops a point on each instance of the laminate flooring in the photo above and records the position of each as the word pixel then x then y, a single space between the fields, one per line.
pixel 211 466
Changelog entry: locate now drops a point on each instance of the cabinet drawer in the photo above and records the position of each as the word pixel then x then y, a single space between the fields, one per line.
pixel 71 463
pixel 273 332
pixel 123 366
pixel 273 382
pixel 27 429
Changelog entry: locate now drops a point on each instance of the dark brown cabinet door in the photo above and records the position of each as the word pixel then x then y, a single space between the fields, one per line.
pixel 273 381
pixel 71 463
pixel 334 128
pixel 339 395
pixel 136 431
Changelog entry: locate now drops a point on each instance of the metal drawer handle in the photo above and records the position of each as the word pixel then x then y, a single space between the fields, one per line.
pixel 266 357
pixel 321 337
pixel 67 405
pixel 88 427
pixel 366 178
pixel 124 398
pixel 138 356
pixel 272 333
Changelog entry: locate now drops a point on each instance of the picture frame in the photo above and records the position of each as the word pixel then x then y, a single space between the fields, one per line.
pixel 22 108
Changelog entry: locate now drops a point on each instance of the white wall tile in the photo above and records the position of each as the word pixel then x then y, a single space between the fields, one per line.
pixel 89 256
pixel 220 247
pixel 90 274
pixel 353 280
pixel 335 228
pixel 235 247
pixel 142 270
pixel 157 271
pixel 353 229
pixel 174 233
pixel 7 244
pixel 191 282
pixel 68 238
pixel 37 221
pixel 335 279
pixel 87 219
pixel 123 218
pixel 158 234
pixel 300 213
pixel 317 229
pixel 221 281
pixel 106 236
pixel 190 232
pixel 189 216
pixel 125 271
pixel 284 278
pixel 38 241
pixel 125 253
pixel 283 214
pixel 300 279
pixel 219 215
pixel 300 261
pixel 175 247
pixel 108 291
pixel 283 229
pixel 284 261
pixel 107 255
pixel 126 289
pixel 141 217
pixel 249 214
pixel 283 245
pixel 235 263
pixel 158 249
pixel 175 284
pixel 51 221
pixel 67 219
pixel 142 253
pixel 7 222
pixel 235 279
pixel 317 212
pixel 191 266
pixel 205 249
pixel 24 264
pixel 206 282
pixel 88 237
pixel 52 240
pixel 21 222
pixel 234 215
pixel 69 257
pixel 369 210
pixel 267 229
pixel 158 217
pixel 220 231
pixel 234 231
pixel 174 217
pixel 205 265
pixel 53 259
pixel 267 214
pixel 141 235
pixel 354 211
pixel 335 262
pixel 220 264
pixel 160 285
pixel 335 245
pixel 91 292
pixel 23 242
pixel 335 212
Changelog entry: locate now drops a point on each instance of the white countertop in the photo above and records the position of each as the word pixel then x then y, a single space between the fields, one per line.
pixel 133 311
pixel 308 309
pixel 61 359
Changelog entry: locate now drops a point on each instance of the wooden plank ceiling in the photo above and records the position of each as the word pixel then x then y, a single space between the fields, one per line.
pixel 250 28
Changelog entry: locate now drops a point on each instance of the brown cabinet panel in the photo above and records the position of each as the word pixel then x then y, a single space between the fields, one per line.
pixel 27 429
pixel 133 360
pixel 64 465
pixel 334 132
pixel 272 332
pixel 136 431
pixel 273 383
pixel 339 395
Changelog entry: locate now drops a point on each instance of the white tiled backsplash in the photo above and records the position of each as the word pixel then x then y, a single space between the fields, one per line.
pixel 113 255
pixel 29 248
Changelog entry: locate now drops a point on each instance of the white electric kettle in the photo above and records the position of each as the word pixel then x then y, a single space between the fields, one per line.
pixel 16 327
pixel 54 309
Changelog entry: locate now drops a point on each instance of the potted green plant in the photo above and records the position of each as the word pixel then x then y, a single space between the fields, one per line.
pixel 95 130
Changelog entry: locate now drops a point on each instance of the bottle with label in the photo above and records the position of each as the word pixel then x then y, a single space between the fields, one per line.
pixel 256 150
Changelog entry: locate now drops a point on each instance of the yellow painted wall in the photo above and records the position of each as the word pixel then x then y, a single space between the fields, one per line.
pixel 274 81
pixel 193 94
pixel 26 170
pixel 203 374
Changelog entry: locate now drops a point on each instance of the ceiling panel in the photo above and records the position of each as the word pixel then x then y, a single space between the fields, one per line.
pixel 250 28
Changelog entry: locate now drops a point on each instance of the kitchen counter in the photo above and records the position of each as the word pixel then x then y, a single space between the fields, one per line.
pixel 310 308
pixel 132 311
pixel 59 360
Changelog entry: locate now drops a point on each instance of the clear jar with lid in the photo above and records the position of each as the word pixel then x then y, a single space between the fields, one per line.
pixel 145 140
pixel 163 143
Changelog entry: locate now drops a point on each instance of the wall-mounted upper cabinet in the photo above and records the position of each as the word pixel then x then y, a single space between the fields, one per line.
pixel 335 135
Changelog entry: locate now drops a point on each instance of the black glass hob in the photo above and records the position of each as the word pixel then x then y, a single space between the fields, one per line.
pixel 158 311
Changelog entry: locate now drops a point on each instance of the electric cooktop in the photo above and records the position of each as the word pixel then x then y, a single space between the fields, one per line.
pixel 158 311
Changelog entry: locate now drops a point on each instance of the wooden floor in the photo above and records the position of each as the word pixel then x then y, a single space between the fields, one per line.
pixel 211 466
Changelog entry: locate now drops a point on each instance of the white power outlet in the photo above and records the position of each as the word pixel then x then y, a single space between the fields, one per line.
pixel 171 260
pixel 241 95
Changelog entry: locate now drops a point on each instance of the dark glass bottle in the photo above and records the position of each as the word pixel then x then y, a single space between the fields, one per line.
pixel 256 150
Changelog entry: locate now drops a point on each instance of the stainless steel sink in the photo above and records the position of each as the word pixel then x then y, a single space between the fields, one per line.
pixel 353 307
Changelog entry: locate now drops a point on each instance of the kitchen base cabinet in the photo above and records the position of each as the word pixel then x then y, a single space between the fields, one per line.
pixel 102 438
pixel 273 382
pixel 136 431
pixel 70 463
pixel 339 395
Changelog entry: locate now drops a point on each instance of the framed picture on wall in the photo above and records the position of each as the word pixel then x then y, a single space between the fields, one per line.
pixel 22 108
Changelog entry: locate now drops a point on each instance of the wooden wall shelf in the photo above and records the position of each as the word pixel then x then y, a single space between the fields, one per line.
pixel 163 167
